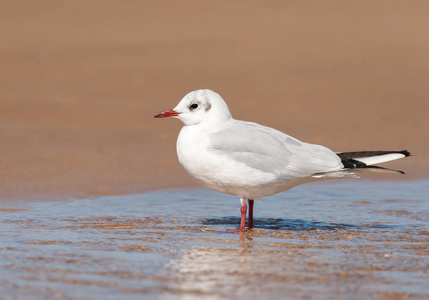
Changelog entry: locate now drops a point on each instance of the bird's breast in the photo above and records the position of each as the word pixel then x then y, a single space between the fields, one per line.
pixel 215 169
pixel 192 151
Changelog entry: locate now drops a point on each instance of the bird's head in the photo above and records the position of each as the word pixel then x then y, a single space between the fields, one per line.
pixel 198 107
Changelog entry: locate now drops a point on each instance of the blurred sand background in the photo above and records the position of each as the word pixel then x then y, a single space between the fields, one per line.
pixel 81 81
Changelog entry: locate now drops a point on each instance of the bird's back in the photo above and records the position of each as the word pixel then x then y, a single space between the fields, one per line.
pixel 243 157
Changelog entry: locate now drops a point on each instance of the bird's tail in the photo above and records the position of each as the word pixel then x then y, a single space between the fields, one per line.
pixel 365 159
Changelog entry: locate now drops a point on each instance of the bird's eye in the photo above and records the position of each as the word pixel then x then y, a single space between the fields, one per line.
pixel 193 106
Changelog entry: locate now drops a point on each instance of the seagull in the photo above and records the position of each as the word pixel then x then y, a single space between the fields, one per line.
pixel 253 161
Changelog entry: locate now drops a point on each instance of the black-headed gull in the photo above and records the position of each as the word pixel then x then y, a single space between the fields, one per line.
pixel 250 160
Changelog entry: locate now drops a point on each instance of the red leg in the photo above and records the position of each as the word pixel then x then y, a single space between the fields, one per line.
pixel 250 222
pixel 243 211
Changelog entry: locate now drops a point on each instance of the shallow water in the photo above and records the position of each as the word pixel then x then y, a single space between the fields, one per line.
pixel 337 240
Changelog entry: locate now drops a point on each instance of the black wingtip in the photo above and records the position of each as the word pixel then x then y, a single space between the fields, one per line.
pixel 350 160
pixel 359 154
pixel 405 152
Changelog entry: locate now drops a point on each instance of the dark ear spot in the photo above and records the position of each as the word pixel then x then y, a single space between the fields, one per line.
pixel 208 106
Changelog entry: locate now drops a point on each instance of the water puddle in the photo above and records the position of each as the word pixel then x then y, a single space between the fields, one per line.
pixel 349 239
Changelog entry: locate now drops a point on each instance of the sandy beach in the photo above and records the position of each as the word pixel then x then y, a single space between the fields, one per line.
pixel 81 82
pixel 344 240
pixel 95 205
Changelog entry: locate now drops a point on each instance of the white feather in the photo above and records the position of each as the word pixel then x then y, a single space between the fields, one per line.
pixel 380 158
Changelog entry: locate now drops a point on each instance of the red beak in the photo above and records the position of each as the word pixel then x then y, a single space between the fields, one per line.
pixel 166 113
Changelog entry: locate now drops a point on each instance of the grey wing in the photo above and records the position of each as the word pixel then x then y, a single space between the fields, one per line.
pixel 272 151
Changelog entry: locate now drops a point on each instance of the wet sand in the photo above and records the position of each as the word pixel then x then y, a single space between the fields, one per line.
pixel 345 240
pixel 81 82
